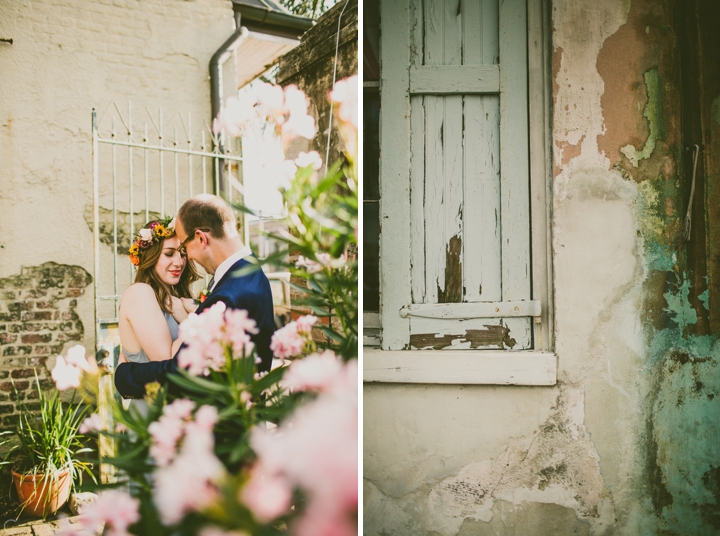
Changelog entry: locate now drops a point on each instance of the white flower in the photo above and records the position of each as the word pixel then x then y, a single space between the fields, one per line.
pixel 309 159
pixel 146 235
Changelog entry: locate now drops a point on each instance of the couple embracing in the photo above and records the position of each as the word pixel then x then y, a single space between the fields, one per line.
pixel 151 309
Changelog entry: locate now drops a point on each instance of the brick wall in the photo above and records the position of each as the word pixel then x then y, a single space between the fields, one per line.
pixel 37 320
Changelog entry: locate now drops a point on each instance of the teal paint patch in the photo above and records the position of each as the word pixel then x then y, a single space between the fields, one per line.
pixel 705 298
pixel 685 417
pixel 679 308
pixel 656 119
pixel 683 424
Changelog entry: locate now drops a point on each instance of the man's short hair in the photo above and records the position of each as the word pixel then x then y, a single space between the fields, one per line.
pixel 206 211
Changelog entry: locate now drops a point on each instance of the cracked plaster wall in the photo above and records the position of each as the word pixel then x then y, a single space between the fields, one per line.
pixel 67 58
pixel 626 443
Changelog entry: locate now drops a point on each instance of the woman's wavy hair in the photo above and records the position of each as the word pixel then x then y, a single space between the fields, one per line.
pixel 146 274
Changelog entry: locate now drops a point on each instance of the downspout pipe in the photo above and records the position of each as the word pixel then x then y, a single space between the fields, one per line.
pixel 216 93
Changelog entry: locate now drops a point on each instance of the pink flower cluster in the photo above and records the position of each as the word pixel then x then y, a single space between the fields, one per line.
pixel 93 423
pixel 68 370
pixel 322 437
pixel 290 340
pixel 285 108
pixel 115 510
pixel 316 372
pixel 208 335
pixel 168 429
pixel 190 481
pixel 345 96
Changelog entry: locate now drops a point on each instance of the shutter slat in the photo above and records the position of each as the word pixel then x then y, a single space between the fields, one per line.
pixel 450 79
pixel 473 310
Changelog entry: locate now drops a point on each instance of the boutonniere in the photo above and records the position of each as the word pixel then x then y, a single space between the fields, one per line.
pixel 204 293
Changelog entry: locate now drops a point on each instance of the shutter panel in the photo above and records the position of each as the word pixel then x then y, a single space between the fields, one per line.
pixel 462 129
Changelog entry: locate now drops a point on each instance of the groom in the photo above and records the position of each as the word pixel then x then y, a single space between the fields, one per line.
pixel 206 228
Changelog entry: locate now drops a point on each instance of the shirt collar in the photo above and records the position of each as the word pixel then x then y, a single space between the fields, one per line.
pixel 225 265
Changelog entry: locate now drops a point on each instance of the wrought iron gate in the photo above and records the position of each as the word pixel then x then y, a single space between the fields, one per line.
pixel 165 168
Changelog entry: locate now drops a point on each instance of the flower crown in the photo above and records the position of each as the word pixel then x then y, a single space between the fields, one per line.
pixel 145 238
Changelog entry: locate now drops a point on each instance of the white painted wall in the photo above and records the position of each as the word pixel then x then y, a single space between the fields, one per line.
pixel 66 58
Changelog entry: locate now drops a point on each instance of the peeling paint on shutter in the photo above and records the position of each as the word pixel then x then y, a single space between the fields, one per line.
pixel 466 230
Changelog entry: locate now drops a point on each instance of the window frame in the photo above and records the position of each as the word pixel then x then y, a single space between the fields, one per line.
pixel 504 367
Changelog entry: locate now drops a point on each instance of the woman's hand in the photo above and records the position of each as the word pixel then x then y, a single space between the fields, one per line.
pixel 179 310
pixel 189 304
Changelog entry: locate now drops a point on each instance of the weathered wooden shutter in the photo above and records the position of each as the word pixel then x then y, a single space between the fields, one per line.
pixel 455 175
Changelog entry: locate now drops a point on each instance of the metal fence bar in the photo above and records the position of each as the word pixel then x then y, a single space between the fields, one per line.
pixel 162 164
pixel 130 186
pixel 202 161
pixel 96 223
pixel 147 177
pixel 214 154
pixel 190 173
pixel 177 177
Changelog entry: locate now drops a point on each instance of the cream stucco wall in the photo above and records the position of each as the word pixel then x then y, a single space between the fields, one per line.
pixel 68 57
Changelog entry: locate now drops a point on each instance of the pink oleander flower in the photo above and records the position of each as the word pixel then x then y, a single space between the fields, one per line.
pixel 299 126
pixel 267 496
pixel 66 376
pixel 92 423
pixel 235 116
pixel 238 326
pixel 305 323
pixel 76 357
pixel 168 429
pixel 310 265
pixel 203 335
pixel 322 436
pixel 190 482
pixel 115 509
pixel 287 342
pixel 316 372
pixel 309 159
pixel 345 96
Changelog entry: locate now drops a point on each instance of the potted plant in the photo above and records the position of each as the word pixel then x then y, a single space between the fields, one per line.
pixel 45 462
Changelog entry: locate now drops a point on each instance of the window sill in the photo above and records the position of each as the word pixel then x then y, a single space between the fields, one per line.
pixel 481 367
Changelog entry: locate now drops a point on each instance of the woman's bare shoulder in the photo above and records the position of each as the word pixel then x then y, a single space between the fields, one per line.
pixel 138 292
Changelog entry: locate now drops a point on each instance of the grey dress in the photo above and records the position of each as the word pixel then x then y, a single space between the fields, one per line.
pixel 141 357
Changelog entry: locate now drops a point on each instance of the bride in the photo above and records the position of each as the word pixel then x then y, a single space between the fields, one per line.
pixel 160 298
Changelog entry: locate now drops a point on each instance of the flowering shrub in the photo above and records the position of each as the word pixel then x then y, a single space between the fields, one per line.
pixel 229 451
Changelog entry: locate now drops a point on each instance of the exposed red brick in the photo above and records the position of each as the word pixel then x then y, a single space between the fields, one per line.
pixel 34 338
pixel 37 315
pixel 34 293
pixel 8 386
pixel 23 373
pixel 6 338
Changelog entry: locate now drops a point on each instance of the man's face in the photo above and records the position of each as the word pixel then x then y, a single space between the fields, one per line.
pixel 187 246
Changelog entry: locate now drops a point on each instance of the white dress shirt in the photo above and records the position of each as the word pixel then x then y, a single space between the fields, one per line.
pixel 225 265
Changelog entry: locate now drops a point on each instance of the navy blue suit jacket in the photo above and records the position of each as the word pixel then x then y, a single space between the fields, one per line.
pixel 250 292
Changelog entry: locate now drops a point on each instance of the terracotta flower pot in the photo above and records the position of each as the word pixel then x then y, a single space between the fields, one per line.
pixel 39 497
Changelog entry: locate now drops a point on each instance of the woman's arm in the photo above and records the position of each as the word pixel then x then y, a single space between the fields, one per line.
pixel 149 326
